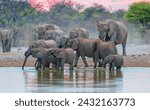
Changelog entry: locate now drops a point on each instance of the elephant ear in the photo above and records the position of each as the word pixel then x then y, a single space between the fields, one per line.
pixel 75 44
pixel 59 53
pixel 94 46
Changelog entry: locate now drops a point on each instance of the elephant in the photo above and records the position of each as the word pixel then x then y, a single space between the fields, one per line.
pixel 45 27
pixel 63 56
pixel 38 44
pixel 114 60
pixel 101 49
pixel 6 39
pixel 112 30
pixel 56 35
pixel 41 54
pixel 83 47
pixel 79 32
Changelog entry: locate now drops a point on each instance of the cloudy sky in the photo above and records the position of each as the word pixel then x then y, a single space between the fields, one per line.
pixel 112 5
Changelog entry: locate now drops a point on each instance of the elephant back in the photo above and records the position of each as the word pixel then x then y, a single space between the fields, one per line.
pixel 43 44
pixel 42 29
pixel 5 34
pixel 106 48
pixel 79 33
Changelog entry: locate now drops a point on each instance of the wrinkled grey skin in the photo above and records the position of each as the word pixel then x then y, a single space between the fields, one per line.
pixel 45 27
pixel 38 44
pixel 114 60
pixel 83 48
pixel 56 35
pixel 52 32
pixel 101 49
pixel 111 30
pixel 63 56
pixel 6 39
pixel 79 32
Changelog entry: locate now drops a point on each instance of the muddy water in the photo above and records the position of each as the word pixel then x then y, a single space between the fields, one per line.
pixel 135 79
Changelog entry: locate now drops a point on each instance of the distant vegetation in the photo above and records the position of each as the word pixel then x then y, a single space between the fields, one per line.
pixel 139 13
pixel 21 14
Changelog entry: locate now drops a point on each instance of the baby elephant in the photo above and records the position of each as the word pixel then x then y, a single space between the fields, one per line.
pixel 63 56
pixel 114 60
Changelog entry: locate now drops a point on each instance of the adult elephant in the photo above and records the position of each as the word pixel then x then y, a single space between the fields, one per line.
pixel 38 44
pixel 6 39
pixel 79 32
pixel 102 49
pixel 112 30
pixel 83 47
pixel 41 30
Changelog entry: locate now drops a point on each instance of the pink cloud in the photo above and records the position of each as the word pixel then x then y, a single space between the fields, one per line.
pixel 45 5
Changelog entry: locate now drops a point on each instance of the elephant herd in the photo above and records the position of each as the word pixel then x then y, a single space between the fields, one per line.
pixel 53 48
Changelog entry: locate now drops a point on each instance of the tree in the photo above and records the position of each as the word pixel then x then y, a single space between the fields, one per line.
pixel 95 11
pixel 139 13
pixel 13 11
pixel 119 14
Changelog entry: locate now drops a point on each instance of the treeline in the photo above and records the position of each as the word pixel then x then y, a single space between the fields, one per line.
pixel 21 14
pixel 18 13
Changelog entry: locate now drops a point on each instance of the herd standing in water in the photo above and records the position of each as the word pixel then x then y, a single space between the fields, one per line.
pixel 55 48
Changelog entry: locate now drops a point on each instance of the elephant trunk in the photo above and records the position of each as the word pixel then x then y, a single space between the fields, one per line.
pixel 25 60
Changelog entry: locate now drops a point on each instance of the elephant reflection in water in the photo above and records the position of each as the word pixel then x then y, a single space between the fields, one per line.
pixel 90 77
pixel 107 79
pixel 50 77
pixel 101 75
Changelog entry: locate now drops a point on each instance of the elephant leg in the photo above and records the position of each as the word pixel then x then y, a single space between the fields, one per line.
pixel 43 63
pixel 112 67
pixel 3 46
pixel 76 59
pixel 95 62
pixel 100 63
pixel 71 66
pixel 104 65
pixel 118 68
pixel 9 45
pixel 38 65
pixel 124 48
pixel 84 60
pixel 95 59
pixel 58 63
pixel 62 64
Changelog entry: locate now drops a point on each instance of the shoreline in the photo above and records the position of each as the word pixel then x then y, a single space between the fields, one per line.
pixel 15 59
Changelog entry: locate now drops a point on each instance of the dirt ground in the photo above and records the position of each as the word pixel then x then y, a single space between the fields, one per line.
pixel 15 59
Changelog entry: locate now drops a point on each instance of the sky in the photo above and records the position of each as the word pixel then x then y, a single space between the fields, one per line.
pixel 111 5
